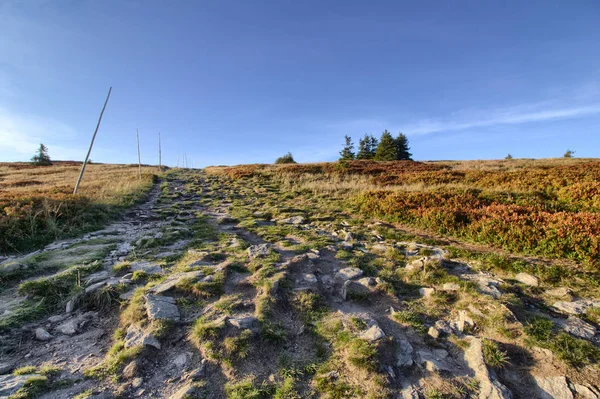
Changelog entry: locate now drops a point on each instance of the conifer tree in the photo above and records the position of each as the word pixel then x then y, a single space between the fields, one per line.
pixel 402 146
pixel 367 147
pixel 41 158
pixel 347 153
pixel 387 150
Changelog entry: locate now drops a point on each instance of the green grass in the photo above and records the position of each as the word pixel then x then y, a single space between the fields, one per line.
pixel 493 355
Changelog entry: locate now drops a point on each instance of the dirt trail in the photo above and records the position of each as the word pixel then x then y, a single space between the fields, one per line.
pixel 421 331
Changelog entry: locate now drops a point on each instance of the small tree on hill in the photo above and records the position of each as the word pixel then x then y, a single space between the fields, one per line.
pixel 287 158
pixel 347 153
pixel 569 154
pixel 41 158
pixel 387 150
pixel 509 157
pixel 402 146
pixel 367 147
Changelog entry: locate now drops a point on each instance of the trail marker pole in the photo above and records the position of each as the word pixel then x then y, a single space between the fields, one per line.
pixel 137 135
pixel 159 154
pixel 91 144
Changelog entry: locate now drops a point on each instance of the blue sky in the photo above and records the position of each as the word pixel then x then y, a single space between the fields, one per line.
pixel 231 82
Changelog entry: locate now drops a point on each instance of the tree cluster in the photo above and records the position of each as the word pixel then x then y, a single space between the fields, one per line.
pixel 387 148
pixel 287 158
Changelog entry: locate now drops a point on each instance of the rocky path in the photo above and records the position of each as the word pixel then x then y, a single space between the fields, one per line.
pixel 200 292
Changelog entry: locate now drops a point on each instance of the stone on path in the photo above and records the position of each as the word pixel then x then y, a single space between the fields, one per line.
pixel 146 267
pixel 68 328
pixel 185 391
pixel 293 220
pixel 574 307
pixel 527 279
pixel 426 291
pixel 354 288
pixel 489 386
pixel 162 308
pixel 577 327
pixel 553 387
pixel 175 279
pixel 373 334
pixel 435 360
pixel 244 322
pixel 584 391
pixel 450 287
pixel 136 336
pixel 9 384
pixel 348 273
pixel 404 353
pixel 258 251
pixel 42 335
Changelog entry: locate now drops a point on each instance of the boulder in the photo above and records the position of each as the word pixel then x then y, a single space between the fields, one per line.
pixel 527 279
pixel 146 267
pixel 136 336
pixel 426 292
pixel 450 287
pixel 561 292
pixel 348 273
pixel 96 277
pixel 161 307
pixel 404 353
pixel 184 392
pixel 244 322
pixel 354 288
pixel 433 332
pixel 6 367
pixel 373 334
pixel 68 328
pixel 489 386
pixel 42 335
pixel 258 251
pixel 574 307
pixel 584 391
pixel 309 278
pixel 435 360
pixel 464 321
pixel 553 387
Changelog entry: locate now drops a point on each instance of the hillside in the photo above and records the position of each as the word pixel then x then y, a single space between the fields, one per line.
pixel 336 280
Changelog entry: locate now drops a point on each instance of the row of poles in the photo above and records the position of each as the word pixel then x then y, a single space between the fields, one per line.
pixel 87 157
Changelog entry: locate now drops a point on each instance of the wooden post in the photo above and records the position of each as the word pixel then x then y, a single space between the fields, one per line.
pixel 137 135
pixel 92 143
pixel 159 154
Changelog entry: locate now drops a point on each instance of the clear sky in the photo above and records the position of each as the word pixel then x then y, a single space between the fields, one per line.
pixel 231 82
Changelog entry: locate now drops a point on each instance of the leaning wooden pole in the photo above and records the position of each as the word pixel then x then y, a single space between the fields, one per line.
pixel 159 154
pixel 137 135
pixel 91 144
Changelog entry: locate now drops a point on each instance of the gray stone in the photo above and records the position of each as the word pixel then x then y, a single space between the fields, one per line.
pixel 578 327
pixel 94 287
pixel 354 288
pixel 10 384
pixel 349 237
pixel 42 335
pixel 137 382
pixel 130 370
pixel 433 332
pixel 96 277
pixel 561 292
pixel 404 353
pixel 258 251
pixel 527 279
pixel 415 265
pixel 175 279
pixel 244 322
pixel 293 220
pixel 161 308
pixel 367 281
pixel 464 321
pixel 450 287
pixel 68 328
pixel 180 361
pixel 489 386
pixel 553 387
pixel 379 248
pixel 426 292
pixel 435 360
pixel 373 334
pixel 486 283
pixel 584 391
pixel 10 266
pixel 348 273
pixel 57 318
pixel 146 267
pixel 309 278
pixel 6 367
pixel 136 336
pixel 444 327
pixel 575 307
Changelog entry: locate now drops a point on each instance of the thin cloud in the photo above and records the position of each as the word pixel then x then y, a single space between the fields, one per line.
pixel 20 136
pixel 508 117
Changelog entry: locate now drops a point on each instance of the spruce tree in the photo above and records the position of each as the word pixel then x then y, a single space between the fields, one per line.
pixel 41 158
pixel 402 146
pixel 367 147
pixel 387 150
pixel 347 153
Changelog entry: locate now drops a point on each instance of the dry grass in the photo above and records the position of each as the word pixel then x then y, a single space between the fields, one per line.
pixel 37 204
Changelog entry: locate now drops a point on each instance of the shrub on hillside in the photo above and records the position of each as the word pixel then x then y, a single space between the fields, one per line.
pixel 287 158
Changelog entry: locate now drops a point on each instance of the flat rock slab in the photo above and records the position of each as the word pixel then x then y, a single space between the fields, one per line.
pixel 136 336
pixel 575 307
pixel 348 273
pixel 553 387
pixel 373 334
pixel 10 384
pixel 293 220
pixel 161 307
pixel 146 267
pixel 527 279
pixel 489 386
pixel 175 279
pixel 578 327
pixel 244 322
